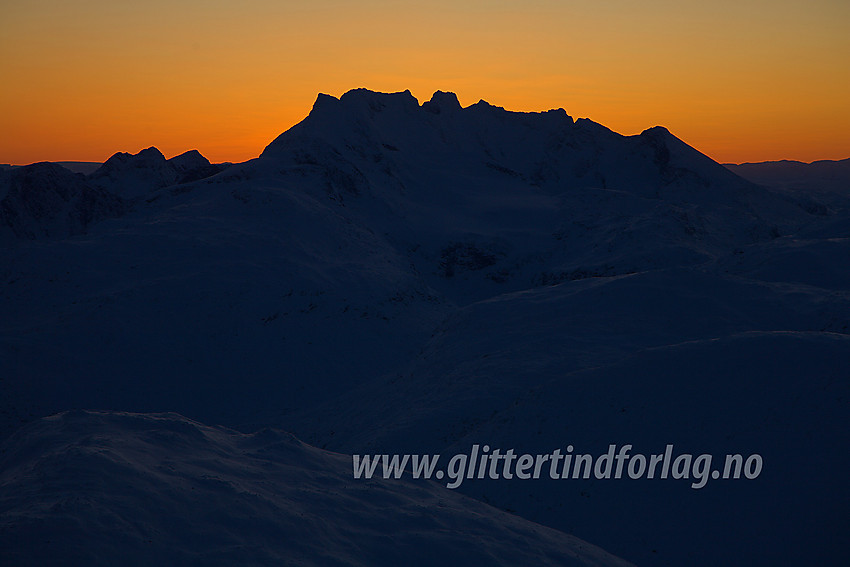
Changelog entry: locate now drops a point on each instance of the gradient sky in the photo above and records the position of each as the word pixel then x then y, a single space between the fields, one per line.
pixel 739 80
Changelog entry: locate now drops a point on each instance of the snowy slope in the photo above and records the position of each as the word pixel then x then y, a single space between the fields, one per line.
pixel 220 304
pixel 392 276
pixel 782 395
pixel 47 200
pixel 84 488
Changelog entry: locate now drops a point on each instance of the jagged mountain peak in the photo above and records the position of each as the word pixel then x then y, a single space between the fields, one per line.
pixel 188 160
pixel 361 118
pixel 146 156
pixel 365 130
pixel 442 102
pixel 361 101
pixel 377 101
pixel 136 175
pixel 151 153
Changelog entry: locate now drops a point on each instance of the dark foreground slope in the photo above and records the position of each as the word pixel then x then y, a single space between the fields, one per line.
pixel 84 488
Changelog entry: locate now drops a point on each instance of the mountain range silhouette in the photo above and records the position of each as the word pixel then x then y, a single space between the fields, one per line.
pixel 396 277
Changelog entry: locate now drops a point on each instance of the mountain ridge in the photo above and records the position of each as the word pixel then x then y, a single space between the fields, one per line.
pixel 338 121
pixel 391 278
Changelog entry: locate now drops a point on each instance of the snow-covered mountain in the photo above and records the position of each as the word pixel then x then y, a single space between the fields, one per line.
pixel 395 277
pixel 136 175
pixel 99 488
pixel 47 200
pixel 828 180
pixel 50 200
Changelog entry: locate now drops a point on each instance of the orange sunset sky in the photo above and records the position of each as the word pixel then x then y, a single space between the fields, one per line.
pixel 743 80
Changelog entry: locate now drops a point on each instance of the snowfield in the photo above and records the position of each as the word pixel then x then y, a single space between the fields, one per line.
pixel 396 277
pixel 97 488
